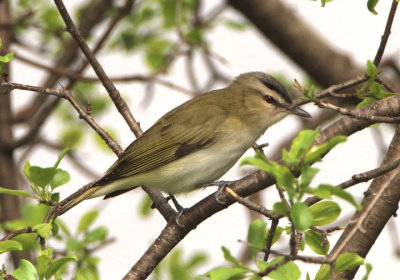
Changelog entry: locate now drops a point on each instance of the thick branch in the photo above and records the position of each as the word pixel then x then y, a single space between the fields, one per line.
pixel 290 34
pixel 379 204
pixel 191 218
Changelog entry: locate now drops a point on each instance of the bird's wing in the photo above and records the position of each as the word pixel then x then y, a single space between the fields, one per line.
pixel 167 140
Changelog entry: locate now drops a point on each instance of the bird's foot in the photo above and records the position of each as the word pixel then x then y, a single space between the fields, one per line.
pixel 221 185
pixel 178 207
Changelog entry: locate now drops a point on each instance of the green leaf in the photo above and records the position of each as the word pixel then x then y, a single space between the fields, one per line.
pixel 74 245
pixel 325 212
pixel 236 24
pixel 6 58
pixel 43 262
pixel 316 152
pixel 314 240
pixel 366 101
pixel 255 236
pixel 341 193
pixel 226 273
pixel 371 4
pixel 15 192
pixel 263 265
pixel 288 271
pixel 347 261
pixel 323 272
pixel 98 234
pixel 280 208
pixel 26 169
pixel 41 176
pixel 284 178
pixel 372 71
pixel 300 145
pixel 145 206
pixel 228 257
pixel 51 18
pixel 301 216
pixel 61 155
pixel 60 178
pixel 71 136
pixel 368 269
pixel 57 264
pixel 42 229
pixel 25 271
pixel 10 245
pixel 156 53
pixel 87 220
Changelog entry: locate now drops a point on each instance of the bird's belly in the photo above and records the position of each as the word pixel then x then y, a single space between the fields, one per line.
pixel 196 169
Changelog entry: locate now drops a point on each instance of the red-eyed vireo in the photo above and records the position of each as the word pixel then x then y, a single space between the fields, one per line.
pixel 199 141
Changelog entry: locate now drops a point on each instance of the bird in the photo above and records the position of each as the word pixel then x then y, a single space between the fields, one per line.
pixel 199 141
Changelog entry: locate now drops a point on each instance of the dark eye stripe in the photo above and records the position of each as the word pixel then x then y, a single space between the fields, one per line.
pixel 274 85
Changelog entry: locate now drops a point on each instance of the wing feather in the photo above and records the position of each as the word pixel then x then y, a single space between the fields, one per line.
pixel 168 139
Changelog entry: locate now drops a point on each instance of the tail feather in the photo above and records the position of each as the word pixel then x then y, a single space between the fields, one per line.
pixel 86 192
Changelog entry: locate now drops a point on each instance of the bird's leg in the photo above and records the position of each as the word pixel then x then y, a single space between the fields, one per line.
pixel 221 185
pixel 178 207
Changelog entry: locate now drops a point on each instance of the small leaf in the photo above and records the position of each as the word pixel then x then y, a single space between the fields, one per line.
pixel 347 261
pixel 98 234
pixel 25 271
pixel 226 273
pixel 60 178
pixel 255 236
pixel 42 229
pixel 26 169
pixel 314 240
pixel 43 262
pixel 316 152
pixel 325 212
pixel 87 220
pixel 366 101
pixel 10 245
pixel 41 176
pixel 288 271
pixel 60 156
pixel 301 216
pixel 228 257
pixel 368 269
pixel 57 264
pixel 323 272
pixel 371 4
pixel 300 145
pixel 372 71
pixel 15 192
pixel 342 194
pixel 280 208
pixel 71 136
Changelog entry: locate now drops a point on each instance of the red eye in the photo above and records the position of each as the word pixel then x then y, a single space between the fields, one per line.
pixel 269 98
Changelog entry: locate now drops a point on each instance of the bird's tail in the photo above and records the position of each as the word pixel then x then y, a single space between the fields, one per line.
pixel 84 193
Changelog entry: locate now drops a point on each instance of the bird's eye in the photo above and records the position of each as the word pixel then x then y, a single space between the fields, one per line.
pixel 269 98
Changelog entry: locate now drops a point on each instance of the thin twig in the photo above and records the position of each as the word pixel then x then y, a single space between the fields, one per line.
pixel 386 33
pixel 253 206
pixel 357 115
pixel 270 238
pixel 64 93
pixel 17 232
pixel 361 177
pixel 107 83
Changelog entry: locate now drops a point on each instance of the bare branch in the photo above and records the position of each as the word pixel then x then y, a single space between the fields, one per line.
pixel 107 83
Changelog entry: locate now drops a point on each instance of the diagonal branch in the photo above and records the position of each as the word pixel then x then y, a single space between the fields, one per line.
pixel 192 217
pixel 107 83
pixel 386 33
